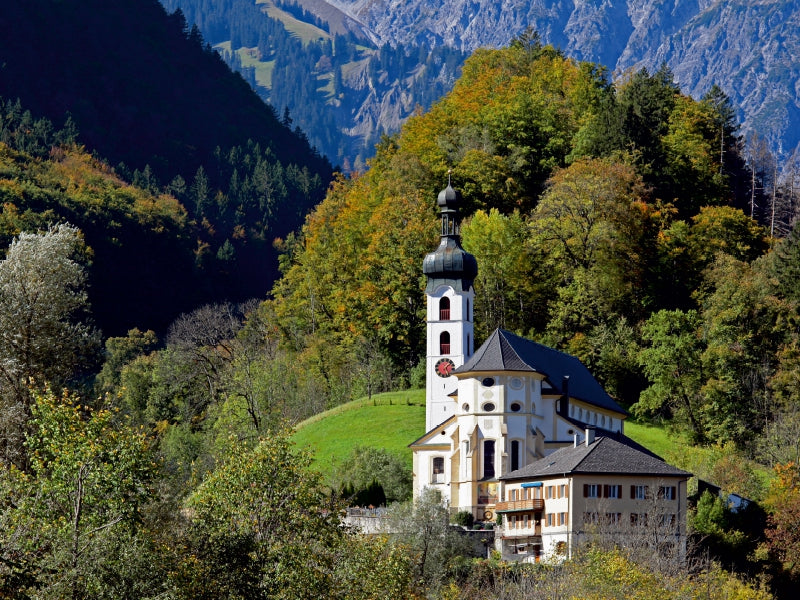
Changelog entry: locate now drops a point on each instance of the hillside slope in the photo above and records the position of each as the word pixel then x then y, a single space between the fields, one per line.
pixel 140 87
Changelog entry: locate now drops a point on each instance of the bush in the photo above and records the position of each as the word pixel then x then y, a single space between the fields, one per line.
pixel 463 518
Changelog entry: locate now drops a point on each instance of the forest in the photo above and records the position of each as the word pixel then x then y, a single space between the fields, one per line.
pixel 615 221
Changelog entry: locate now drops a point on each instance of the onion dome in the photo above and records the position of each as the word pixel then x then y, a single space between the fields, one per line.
pixel 450 264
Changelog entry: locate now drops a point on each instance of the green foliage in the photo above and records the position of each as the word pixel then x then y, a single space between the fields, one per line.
pixel 465 518
pixel 71 515
pixel 368 467
pixel 261 527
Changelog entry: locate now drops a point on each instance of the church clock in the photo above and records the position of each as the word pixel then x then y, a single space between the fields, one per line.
pixel 444 366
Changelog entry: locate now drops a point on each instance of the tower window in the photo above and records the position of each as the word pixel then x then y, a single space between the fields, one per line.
pixel 444 309
pixel 488 458
pixel 444 343
pixel 514 455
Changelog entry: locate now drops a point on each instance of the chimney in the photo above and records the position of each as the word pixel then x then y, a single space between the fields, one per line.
pixel 589 436
pixel 574 440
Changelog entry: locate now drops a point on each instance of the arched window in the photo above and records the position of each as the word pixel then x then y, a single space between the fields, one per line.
pixel 444 343
pixel 514 455
pixel 444 309
pixel 488 458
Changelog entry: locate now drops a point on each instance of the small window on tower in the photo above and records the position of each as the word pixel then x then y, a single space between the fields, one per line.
pixel 444 309
pixel 444 343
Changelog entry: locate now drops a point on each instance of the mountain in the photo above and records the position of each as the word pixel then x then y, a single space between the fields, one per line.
pixel 751 49
pixel 322 71
pixel 141 88
pixel 149 97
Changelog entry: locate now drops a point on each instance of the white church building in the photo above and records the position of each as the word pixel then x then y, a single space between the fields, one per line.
pixel 493 412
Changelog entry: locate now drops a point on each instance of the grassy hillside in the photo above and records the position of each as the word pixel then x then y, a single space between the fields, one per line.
pixel 394 420
pixel 391 421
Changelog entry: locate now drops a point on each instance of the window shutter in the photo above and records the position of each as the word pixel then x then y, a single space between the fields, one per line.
pixel 604 491
pixel 674 494
pixel 585 490
pixel 619 492
pixel 633 492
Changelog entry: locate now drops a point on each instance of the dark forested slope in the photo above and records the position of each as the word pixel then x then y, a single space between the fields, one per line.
pixel 149 96
pixel 141 88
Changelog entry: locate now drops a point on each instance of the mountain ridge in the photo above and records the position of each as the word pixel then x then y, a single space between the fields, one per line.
pixel 750 49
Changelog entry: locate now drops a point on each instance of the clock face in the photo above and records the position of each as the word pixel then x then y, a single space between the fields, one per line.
pixel 444 366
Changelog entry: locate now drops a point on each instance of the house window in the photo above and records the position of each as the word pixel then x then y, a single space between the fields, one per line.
pixel 515 407
pixel 667 492
pixel 590 518
pixel 638 492
pixel 563 490
pixel 444 309
pixel 613 491
pixel 550 519
pixel 638 519
pixel 488 458
pixel 514 455
pixel 438 470
pixel 562 518
pixel 666 520
pixel 444 343
pixel 613 518
pixel 534 493
pixel 591 490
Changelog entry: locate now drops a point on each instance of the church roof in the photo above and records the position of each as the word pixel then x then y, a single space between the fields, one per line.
pixel 505 351
pixel 605 455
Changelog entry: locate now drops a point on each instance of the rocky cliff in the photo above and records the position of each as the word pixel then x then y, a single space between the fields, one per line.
pixel 750 48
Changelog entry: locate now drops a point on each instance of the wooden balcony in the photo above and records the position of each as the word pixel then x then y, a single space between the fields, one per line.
pixel 520 505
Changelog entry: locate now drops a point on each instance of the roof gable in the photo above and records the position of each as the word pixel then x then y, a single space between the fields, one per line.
pixel 505 351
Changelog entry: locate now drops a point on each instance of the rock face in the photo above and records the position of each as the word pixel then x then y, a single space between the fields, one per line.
pixel 750 48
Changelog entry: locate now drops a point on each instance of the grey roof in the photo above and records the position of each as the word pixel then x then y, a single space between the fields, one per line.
pixel 603 456
pixel 505 351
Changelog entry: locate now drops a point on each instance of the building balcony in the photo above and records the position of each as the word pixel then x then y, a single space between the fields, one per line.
pixel 520 505
pixel 533 534
pixel 444 314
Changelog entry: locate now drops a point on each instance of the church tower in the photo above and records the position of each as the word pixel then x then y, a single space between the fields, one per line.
pixel 450 271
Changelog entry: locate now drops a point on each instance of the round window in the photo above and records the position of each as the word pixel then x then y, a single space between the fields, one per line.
pixel 488 381
pixel 516 383
pixel 488 407
pixel 465 407
pixel 516 407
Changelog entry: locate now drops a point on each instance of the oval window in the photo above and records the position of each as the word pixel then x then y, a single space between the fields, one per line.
pixel 488 407
pixel 516 407
pixel 488 381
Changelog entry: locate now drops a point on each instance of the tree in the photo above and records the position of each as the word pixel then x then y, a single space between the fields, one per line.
pixel 45 332
pixel 365 465
pixel 672 363
pixel 261 527
pixel 71 516
pixel 783 505
pixel 506 290
pixel 424 527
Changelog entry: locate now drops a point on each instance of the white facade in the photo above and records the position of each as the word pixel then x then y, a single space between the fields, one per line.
pixel 450 338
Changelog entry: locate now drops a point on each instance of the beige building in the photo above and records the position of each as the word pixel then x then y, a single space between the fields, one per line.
pixel 603 488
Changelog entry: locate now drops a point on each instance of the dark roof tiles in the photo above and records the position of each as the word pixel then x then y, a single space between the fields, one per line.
pixel 603 456
pixel 505 351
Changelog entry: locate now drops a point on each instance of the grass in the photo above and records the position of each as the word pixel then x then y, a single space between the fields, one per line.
pixel 393 420
pixel 390 421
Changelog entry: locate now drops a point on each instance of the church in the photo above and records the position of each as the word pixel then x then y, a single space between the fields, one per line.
pixel 496 415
